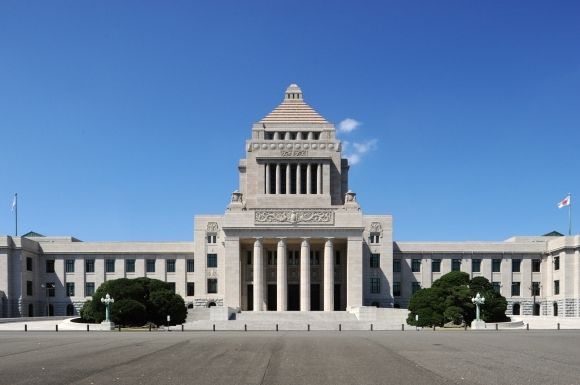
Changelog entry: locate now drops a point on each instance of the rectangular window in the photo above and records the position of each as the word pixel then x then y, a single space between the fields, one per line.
pixel 150 266
pixel 89 289
pixel 190 265
pixel 375 285
pixel 89 265
pixel 436 265
pixel 70 289
pixel 415 265
pixel 496 265
pixel 50 291
pixel 476 265
pixel 337 258
pixel 29 288
pixel 109 265
pixel 171 286
pixel 69 266
pixel 374 238
pixel 556 287
pixel 190 289
pixel 535 288
pixel 396 265
pixel 50 265
pixel 170 265
pixel 129 265
pixel 396 289
pixel 556 263
pixel 28 264
pixel 516 265
pixel 415 287
pixel 314 258
pixel 212 238
pixel 212 286
pixel 375 260
pixel 212 260
pixel 515 289
pixel 456 265
pixel 496 286
pixel 536 263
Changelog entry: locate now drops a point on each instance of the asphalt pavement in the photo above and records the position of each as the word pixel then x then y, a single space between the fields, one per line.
pixel 410 357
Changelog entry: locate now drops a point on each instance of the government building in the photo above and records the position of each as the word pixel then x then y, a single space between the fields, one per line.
pixel 293 237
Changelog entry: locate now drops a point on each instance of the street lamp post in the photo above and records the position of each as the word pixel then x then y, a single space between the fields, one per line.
pixel 107 324
pixel 478 300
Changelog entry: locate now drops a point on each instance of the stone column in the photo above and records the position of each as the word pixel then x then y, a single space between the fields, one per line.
pixel 288 172
pixel 305 275
pixel 328 275
pixel 308 178
pixel 281 277
pixel 319 178
pixel 268 178
pixel 278 184
pixel 298 179
pixel 258 275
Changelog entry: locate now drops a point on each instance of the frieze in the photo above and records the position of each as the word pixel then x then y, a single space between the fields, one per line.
pixel 376 228
pixel 294 216
pixel 290 153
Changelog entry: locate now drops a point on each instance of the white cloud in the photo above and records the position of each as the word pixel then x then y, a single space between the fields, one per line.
pixel 358 150
pixel 348 125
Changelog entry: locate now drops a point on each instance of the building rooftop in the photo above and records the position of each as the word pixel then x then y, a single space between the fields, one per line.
pixel 293 109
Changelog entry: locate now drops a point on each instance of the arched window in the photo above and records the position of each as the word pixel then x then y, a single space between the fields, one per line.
pixel 30 310
pixel 555 309
pixel 70 309
pixel 211 304
pixel 516 309
pixel 190 306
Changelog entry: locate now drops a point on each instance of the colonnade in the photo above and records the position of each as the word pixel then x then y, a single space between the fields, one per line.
pixel 282 275
pixel 293 177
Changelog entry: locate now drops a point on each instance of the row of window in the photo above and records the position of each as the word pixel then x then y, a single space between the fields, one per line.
pixel 90 288
pixel 69 265
pixel 475 265
pixel 291 135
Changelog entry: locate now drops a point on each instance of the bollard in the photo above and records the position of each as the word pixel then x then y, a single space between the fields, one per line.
pixel 181 327
pixel 402 327
pixel 527 326
pixel 245 327
pixel 558 325
pixel 26 327
pixel 496 327
pixel 214 327
pixel 56 327
pixel 149 327
pixel 276 327
pixel 433 327
pixel 339 327
pixel 87 327
pixel 308 327
pixel 371 327
pixel 119 327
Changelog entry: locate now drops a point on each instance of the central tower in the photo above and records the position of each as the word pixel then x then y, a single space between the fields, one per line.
pixel 293 159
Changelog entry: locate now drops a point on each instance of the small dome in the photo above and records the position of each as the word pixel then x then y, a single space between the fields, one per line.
pixel 293 92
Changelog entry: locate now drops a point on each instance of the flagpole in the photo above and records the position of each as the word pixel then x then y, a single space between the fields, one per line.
pixel 570 214
pixel 16 212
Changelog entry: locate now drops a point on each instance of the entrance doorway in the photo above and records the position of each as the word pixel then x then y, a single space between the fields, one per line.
pixel 250 296
pixel 315 297
pixel 294 297
pixel 536 309
pixel 337 297
pixel 555 309
pixel 272 299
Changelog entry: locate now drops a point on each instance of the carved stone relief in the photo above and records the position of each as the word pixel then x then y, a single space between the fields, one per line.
pixel 294 216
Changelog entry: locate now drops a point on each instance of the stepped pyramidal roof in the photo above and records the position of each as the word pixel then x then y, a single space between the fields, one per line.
pixel 293 109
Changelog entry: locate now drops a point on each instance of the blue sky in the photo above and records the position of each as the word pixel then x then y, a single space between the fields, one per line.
pixel 123 120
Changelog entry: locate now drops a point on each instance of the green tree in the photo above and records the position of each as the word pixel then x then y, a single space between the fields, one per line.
pixel 493 310
pixel 141 300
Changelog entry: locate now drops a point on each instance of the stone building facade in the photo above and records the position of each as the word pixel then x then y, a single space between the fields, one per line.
pixel 293 237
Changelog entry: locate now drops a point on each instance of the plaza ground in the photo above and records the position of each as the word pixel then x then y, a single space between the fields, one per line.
pixel 322 357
